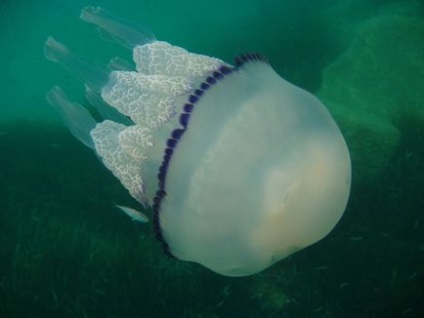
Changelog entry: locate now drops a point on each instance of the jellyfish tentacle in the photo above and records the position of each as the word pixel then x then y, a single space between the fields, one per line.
pixel 77 118
pixel 128 34
pixel 89 72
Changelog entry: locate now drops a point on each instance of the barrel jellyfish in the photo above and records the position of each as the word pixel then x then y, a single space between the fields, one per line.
pixel 239 167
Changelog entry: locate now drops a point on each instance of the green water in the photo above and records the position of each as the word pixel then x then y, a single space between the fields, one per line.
pixel 66 252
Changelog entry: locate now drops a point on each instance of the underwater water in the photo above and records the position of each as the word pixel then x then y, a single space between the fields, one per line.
pixel 66 251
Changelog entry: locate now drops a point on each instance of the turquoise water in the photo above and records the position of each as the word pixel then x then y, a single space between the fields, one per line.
pixel 65 251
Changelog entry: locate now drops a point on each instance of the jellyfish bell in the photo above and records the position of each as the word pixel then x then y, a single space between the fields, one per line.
pixel 240 167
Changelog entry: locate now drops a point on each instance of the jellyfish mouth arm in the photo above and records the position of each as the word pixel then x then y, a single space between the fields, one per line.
pixel 104 109
pixel 127 33
pixel 89 72
pixel 163 58
pixel 78 120
pixel 139 106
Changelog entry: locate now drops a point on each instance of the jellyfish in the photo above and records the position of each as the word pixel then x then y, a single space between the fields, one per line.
pixel 239 167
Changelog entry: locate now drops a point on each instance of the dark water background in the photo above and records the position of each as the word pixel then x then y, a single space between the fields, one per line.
pixel 66 252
